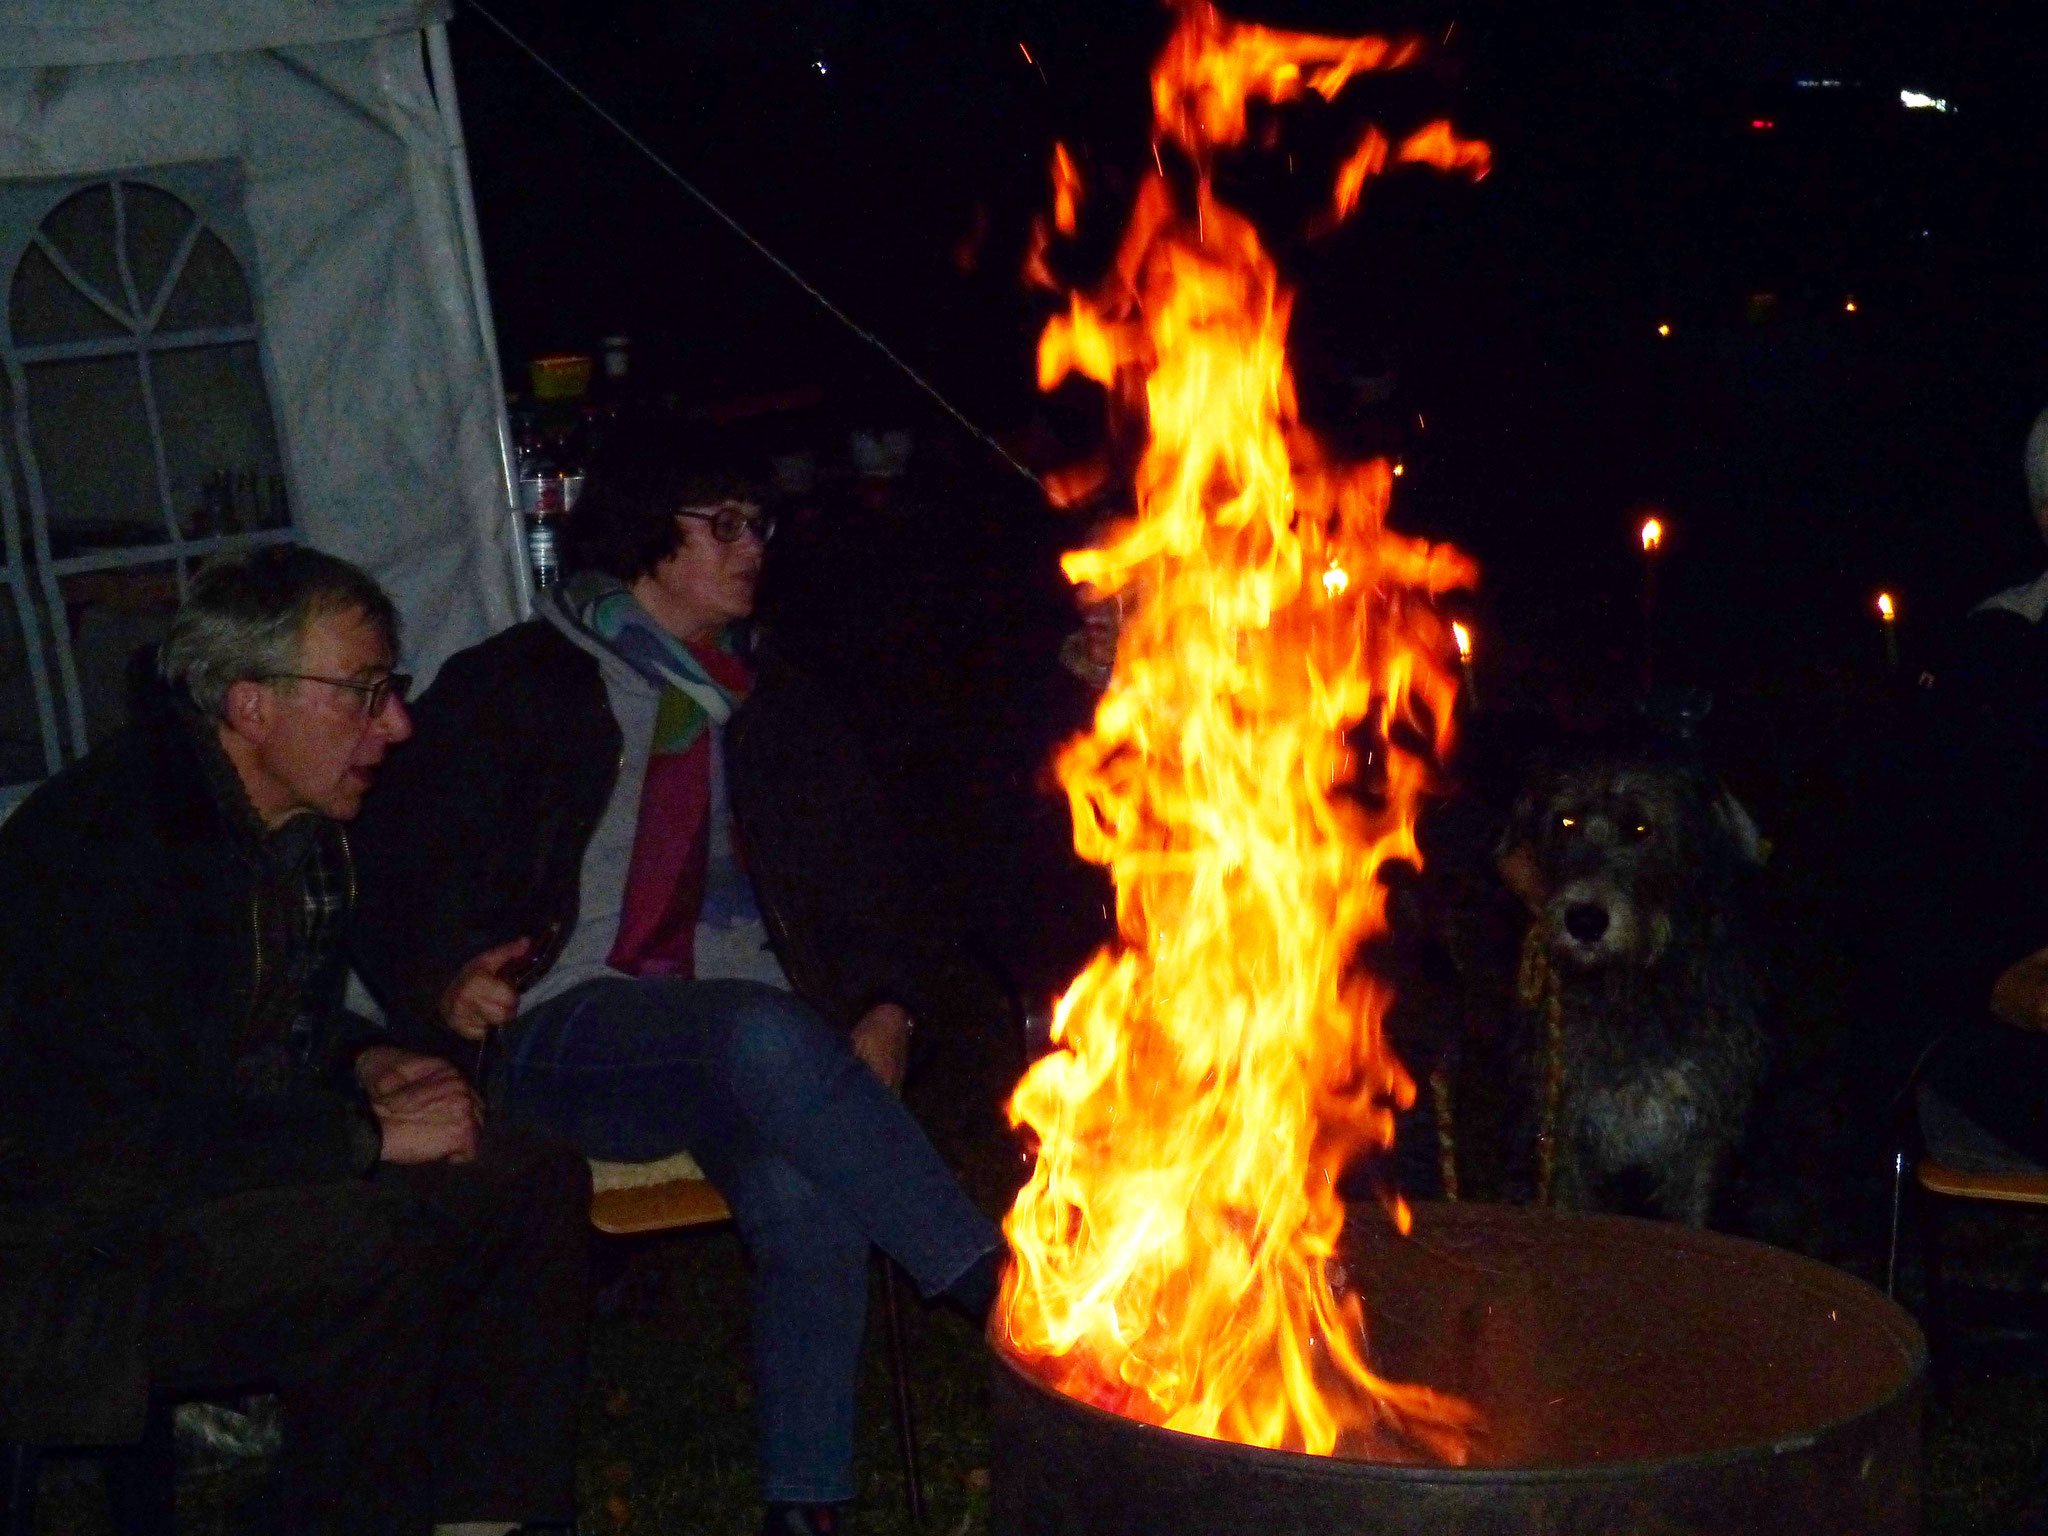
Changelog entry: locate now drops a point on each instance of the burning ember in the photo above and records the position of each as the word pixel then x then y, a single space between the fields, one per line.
pixel 1223 1062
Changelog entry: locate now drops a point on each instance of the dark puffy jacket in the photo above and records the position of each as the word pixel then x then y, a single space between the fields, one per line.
pixel 128 967
pixel 476 831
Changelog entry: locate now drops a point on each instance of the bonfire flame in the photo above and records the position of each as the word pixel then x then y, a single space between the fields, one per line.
pixel 1066 189
pixel 1224 1062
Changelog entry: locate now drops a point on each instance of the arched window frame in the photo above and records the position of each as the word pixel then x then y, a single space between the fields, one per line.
pixel 212 190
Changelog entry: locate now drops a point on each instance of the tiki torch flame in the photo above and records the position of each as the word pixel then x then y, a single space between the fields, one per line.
pixel 1653 535
pixel 1463 637
pixel 1885 610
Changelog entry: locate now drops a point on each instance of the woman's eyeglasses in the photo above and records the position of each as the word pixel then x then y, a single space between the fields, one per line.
pixel 733 519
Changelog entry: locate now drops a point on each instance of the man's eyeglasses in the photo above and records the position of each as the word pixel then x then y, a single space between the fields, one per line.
pixel 733 519
pixel 392 685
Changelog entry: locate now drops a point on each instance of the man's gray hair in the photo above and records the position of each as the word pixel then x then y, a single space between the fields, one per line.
pixel 246 614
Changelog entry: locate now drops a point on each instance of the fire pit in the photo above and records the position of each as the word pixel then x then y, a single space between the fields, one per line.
pixel 1631 1377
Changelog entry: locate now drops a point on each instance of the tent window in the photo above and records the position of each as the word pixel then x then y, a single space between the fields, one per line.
pixel 138 439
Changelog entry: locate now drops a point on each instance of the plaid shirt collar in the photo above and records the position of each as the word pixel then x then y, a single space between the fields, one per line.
pixel 304 889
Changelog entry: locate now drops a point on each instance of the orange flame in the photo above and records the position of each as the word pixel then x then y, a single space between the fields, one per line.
pixel 1066 189
pixel 1885 610
pixel 1213 66
pixel 1437 145
pixel 1037 269
pixel 1463 636
pixel 1653 535
pixel 1368 160
pixel 1223 1061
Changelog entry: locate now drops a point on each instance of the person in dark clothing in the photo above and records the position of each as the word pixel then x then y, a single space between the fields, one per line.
pixel 211 1177
pixel 1980 837
pixel 680 902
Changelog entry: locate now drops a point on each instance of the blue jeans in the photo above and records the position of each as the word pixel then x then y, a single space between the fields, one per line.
pixel 816 1158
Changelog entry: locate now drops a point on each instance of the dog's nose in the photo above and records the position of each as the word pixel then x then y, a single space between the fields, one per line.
pixel 1585 922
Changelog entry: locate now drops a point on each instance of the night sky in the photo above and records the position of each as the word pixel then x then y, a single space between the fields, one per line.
pixel 1804 453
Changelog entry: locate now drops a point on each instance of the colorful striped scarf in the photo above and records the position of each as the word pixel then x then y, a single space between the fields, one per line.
pixel 701 685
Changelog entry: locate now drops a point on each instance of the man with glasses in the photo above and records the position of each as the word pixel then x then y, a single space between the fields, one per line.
pixel 639 848
pixel 211 1177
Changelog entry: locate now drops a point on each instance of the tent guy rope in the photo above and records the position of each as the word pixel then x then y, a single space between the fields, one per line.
pixel 739 229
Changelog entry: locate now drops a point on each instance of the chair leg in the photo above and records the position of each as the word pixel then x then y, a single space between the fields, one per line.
pixel 1934 1312
pixel 2029 1513
pixel 19 1464
pixel 142 1479
pixel 899 1376
pixel 1891 1260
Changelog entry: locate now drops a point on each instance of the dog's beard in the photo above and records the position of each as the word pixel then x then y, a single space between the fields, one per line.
pixel 1629 939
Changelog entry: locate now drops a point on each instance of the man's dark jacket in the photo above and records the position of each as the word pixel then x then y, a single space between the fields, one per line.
pixel 476 833
pixel 129 964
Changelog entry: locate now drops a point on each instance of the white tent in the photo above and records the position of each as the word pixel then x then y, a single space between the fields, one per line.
pixel 240 300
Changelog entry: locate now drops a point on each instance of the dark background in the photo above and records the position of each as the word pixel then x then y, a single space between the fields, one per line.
pixel 1837 450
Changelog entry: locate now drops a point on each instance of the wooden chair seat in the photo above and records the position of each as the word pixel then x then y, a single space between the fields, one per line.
pixel 1962 1184
pixel 661 1196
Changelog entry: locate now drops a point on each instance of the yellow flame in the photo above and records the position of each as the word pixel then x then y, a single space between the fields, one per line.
pixel 1463 636
pixel 1653 535
pixel 1885 610
pixel 1222 1062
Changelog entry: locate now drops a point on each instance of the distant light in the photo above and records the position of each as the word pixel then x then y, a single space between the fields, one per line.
pixel 1920 101
pixel 1885 610
pixel 1762 124
pixel 819 66
pixel 1335 581
pixel 1849 305
pixel 1027 54
pixel 1812 84
pixel 1653 535
pixel 1664 328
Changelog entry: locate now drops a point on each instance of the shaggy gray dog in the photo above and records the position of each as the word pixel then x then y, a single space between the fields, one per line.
pixel 1637 985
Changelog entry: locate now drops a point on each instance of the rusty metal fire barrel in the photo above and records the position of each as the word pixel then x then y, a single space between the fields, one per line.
pixel 1635 1378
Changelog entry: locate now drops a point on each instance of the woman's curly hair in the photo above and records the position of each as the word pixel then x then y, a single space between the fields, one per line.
pixel 625 522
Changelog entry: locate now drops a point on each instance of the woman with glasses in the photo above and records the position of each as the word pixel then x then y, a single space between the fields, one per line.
pixel 642 857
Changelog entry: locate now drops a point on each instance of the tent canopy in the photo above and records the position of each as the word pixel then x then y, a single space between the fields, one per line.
pixel 241 304
pixel 39 33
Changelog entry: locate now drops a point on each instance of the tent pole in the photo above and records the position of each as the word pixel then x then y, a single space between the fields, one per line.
pixel 442 66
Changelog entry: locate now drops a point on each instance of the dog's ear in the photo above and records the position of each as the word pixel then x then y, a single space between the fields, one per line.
pixel 1745 843
pixel 1515 855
